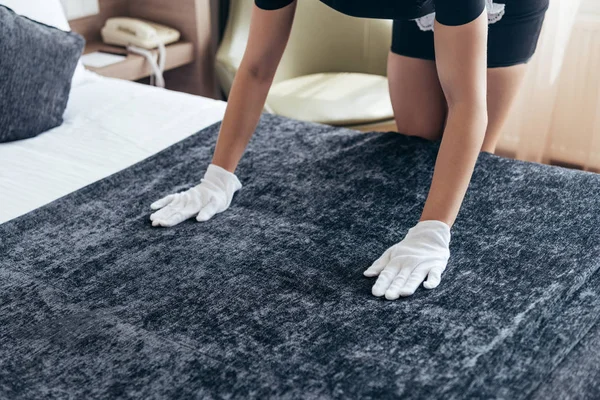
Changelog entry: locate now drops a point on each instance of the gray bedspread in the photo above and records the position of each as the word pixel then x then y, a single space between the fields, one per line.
pixel 267 300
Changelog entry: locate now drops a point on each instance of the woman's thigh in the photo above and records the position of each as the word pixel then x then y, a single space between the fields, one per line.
pixel 420 107
pixel 512 42
pixel 417 97
pixel 503 87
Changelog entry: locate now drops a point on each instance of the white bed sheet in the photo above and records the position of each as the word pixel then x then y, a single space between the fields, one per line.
pixel 109 125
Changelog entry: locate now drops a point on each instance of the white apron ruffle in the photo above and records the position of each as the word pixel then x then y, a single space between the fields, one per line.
pixel 495 13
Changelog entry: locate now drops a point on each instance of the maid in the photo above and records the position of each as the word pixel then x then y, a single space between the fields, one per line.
pixel 454 69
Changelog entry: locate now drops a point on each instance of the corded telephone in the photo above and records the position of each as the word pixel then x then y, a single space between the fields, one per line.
pixel 122 31
pixel 140 37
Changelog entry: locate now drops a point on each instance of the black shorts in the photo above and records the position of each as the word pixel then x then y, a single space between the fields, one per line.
pixel 511 41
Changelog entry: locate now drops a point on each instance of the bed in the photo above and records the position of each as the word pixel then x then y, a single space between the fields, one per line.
pixel 268 300
pixel 109 125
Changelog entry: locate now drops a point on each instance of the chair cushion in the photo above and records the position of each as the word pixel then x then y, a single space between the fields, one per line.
pixel 333 98
pixel 37 64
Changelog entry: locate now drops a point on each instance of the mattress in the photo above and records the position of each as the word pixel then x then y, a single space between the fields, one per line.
pixel 109 125
pixel 268 300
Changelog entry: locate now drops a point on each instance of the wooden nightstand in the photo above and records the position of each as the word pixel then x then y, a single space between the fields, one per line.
pixel 190 62
pixel 135 67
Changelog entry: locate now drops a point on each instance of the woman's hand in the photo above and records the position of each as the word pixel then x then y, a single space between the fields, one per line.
pixel 212 196
pixel 423 253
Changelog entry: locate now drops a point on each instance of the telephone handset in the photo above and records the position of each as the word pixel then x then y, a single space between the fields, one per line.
pixel 140 37
pixel 122 31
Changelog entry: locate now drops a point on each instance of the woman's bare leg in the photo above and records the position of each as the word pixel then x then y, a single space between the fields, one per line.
pixel 420 107
pixel 417 97
pixel 503 87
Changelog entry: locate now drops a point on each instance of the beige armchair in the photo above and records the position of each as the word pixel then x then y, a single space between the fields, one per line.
pixel 333 70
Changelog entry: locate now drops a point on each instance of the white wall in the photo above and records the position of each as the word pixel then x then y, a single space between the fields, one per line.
pixel 591 6
pixel 80 8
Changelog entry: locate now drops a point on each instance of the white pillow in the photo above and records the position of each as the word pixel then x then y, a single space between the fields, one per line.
pixel 49 12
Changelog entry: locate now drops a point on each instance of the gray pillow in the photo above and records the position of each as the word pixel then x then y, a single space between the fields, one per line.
pixel 37 63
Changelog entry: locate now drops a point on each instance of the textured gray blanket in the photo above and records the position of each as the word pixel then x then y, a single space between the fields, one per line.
pixel 267 300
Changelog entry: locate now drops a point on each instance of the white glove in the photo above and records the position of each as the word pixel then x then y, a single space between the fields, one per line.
pixel 424 252
pixel 212 196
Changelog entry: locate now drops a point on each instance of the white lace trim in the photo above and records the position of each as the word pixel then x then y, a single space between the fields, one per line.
pixel 495 13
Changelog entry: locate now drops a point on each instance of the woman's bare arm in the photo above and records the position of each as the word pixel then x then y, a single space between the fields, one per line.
pixel 269 33
pixel 462 68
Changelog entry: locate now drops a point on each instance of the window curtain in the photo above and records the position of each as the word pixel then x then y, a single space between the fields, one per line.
pixel 527 130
